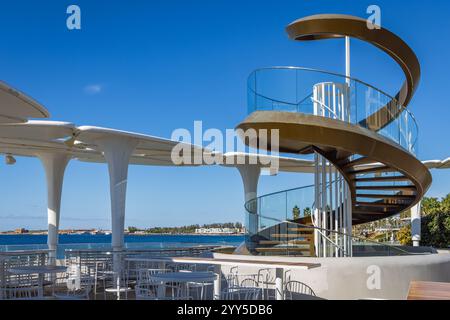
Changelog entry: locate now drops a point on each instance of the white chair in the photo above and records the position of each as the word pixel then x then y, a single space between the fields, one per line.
pixel 146 288
pixel 23 287
pixel 102 272
pixel 117 285
pixel 245 289
pixel 295 289
pixel 78 284
pixel 241 294
pixel 249 283
pixel 176 267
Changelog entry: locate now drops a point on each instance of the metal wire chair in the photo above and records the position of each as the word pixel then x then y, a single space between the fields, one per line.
pixel 293 288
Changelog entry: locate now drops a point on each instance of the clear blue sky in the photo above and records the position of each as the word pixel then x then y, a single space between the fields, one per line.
pixel 154 66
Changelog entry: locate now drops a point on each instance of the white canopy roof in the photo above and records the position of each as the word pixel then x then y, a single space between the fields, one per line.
pixel 437 164
pixel 17 107
pixel 35 137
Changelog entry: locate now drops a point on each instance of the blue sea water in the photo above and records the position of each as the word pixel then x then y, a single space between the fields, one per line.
pixel 88 241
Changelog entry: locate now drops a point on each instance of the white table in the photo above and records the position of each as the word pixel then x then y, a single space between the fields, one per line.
pixel 219 262
pixel 182 277
pixel 41 271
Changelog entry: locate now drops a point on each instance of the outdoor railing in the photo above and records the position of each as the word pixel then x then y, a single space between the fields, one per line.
pixel 19 259
pixel 65 247
pixel 276 214
pixel 291 89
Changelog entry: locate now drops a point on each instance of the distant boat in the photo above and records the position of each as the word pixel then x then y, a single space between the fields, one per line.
pixel 98 232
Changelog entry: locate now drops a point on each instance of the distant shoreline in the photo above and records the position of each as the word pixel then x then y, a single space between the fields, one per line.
pixel 127 234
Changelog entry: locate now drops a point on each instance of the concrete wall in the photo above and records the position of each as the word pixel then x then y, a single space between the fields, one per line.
pixel 385 277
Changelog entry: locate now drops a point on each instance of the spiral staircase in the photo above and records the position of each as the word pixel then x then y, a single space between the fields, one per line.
pixel 371 145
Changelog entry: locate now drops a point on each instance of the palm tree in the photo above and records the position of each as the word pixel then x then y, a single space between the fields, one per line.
pixel 295 212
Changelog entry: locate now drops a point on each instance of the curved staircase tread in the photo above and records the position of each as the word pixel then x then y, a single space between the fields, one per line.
pixel 378 179
pixel 377 204
pixel 356 162
pixel 384 196
pixel 384 187
pixel 382 168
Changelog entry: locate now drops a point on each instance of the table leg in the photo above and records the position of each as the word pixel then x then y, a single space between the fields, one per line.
pixel 218 281
pixel 279 290
pixel 2 277
pixel 95 280
pixel 118 286
pixel 41 285
pixel 161 287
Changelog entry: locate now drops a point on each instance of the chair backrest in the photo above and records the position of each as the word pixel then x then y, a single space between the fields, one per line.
pixel 144 293
pixel 23 287
pixel 183 266
pixel 234 279
pixel 252 293
pixel 249 283
pixel 242 294
pixel 296 287
pixel 73 277
pixel 144 275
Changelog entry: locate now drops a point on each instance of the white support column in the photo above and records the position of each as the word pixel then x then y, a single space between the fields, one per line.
pixel 317 202
pixel 323 192
pixel 349 222
pixel 55 165
pixel 347 59
pixel 250 177
pixel 415 224
pixel 117 153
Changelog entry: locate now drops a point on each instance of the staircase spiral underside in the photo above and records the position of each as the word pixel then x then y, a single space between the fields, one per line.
pixel 384 179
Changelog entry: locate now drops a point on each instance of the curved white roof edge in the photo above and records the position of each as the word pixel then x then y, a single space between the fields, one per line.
pixel 91 133
pixel 102 131
pixel 15 106
pixel 49 123
pixel 34 136
pixel 437 164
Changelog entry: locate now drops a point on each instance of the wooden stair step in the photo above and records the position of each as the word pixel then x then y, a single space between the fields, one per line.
pixel 371 170
pixel 299 230
pixel 356 162
pixel 275 242
pixel 370 213
pixel 385 196
pixel 377 204
pixel 386 188
pixel 291 235
pixel 371 216
pixel 374 179
pixel 283 249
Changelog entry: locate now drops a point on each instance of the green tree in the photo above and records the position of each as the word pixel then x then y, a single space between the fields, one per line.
pixel 132 229
pixel 295 213
pixel 445 204
pixel 404 235
pixel 435 224
pixel 430 206
pixel 436 230
pixel 307 212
